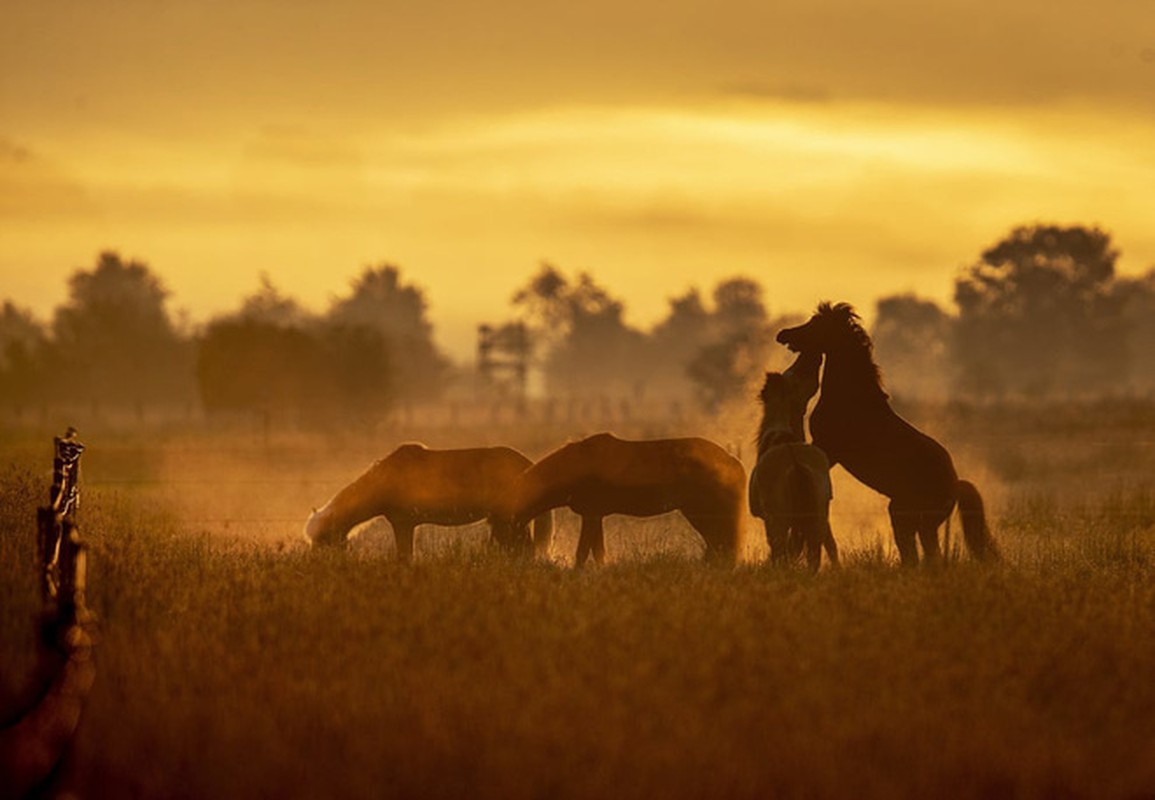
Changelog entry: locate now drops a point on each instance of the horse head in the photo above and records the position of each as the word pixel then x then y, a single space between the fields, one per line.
pixel 785 397
pixel 320 530
pixel 778 412
pixel 802 378
pixel 830 325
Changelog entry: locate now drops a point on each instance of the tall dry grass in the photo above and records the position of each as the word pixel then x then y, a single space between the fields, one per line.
pixel 235 663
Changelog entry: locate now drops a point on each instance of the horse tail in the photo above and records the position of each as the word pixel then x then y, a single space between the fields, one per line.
pixel 542 533
pixel 976 533
pixel 802 488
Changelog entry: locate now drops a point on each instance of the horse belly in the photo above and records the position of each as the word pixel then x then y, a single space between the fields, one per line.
pixel 896 477
pixel 599 500
pixel 449 516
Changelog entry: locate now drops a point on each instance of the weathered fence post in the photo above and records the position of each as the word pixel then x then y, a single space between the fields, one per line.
pixel 31 749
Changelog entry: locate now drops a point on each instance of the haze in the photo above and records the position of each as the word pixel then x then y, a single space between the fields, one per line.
pixel 835 150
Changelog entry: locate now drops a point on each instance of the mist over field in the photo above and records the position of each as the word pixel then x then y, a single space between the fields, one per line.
pixel 234 660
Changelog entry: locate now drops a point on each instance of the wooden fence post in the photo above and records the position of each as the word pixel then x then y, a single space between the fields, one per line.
pixel 34 745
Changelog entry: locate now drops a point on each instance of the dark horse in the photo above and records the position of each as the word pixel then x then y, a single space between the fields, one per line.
pixel 414 485
pixel 855 426
pixel 790 483
pixel 603 474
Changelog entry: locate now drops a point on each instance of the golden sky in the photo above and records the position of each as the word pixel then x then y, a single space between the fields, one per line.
pixel 831 149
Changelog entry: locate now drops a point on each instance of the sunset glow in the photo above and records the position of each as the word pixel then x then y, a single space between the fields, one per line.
pixel 218 155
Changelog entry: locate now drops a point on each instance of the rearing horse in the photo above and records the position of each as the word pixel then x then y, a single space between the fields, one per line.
pixel 855 426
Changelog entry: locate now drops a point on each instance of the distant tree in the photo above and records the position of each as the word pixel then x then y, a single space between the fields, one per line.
pixel 1039 313
pixel 269 305
pixel 320 375
pixel 115 336
pixel 733 358
pixel 911 339
pixel 246 364
pixel 601 355
pixel 726 369
pixel 589 348
pixel 739 306
pixel 25 357
pixel 676 341
pixel 380 301
pixel 1137 296
pixel 545 305
pixel 271 357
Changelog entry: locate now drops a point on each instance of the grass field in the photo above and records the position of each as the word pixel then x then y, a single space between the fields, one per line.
pixel 234 663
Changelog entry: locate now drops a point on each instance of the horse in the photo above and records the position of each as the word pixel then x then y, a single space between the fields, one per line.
pixel 602 475
pixel 854 424
pixel 790 487
pixel 414 485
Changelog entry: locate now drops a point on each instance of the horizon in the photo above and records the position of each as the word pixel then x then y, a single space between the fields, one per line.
pixel 458 341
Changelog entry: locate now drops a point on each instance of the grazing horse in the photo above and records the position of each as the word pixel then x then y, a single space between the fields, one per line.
pixel 855 426
pixel 790 484
pixel 603 474
pixel 414 485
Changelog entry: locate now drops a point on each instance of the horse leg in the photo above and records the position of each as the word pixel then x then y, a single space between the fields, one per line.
pixel 795 542
pixel 543 534
pixel 928 537
pixel 720 526
pixel 777 534
pixel 813 548
pixel 403 535
pixel 905 524
pixel 599 543
pixel 828 540
pixel 592 539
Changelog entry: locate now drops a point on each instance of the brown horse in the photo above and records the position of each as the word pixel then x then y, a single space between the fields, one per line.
pixel 790 484
pixel 603 475
pixel 414 486
pixel 855 426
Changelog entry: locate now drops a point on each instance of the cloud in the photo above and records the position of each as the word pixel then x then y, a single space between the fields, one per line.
pixel 34 188
pixel 784 92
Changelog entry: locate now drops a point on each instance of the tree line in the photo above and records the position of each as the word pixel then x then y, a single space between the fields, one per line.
pixel 1042 312
pixel 114 344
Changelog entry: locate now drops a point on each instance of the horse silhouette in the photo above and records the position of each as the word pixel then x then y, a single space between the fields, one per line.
pixel 790 484
pixel 603 475
pixel 414 485
pixel 32 748
pixel 855 426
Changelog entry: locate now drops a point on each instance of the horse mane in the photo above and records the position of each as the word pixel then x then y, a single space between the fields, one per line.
pixel 768 436
pixel 849 324
pixel 773 379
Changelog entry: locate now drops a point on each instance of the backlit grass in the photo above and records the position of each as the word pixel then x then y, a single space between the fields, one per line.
pixel 240 665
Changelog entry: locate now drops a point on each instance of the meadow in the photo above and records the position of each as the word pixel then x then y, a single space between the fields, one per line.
pixel 235 663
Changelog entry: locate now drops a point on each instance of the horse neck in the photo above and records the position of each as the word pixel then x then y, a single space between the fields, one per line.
pixel 851 375
pixel 773 431
pixel 363 499
pixel 548 483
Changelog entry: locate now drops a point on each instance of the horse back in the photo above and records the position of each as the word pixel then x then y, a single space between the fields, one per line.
pixel 653 461
pixel 468 478
pixel 603 472
pixel 790 478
